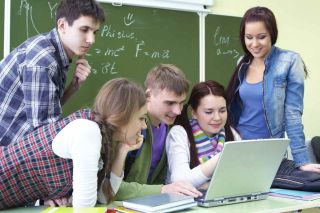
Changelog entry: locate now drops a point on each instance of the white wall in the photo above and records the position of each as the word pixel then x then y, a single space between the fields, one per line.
pixel 299 30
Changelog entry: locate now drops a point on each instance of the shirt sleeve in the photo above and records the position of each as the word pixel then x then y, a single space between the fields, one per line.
pixel 41 96
pixel 293 111
pixel 115 185
pixel 130 190
pixel 80 141
pixel 177 148
pixel 236 136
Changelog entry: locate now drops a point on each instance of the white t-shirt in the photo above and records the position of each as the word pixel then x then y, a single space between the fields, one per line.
pixel 178 152
pixel 80 140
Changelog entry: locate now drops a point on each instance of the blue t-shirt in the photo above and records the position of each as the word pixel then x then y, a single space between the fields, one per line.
pixel 252 123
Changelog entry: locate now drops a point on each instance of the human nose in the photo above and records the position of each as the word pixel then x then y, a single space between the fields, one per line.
pixel 90 38
pixel 144 124
pixel 216 116
pixel 177 109
pixel 255 42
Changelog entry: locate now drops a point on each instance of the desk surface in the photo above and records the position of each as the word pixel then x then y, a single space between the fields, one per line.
pixel 271 204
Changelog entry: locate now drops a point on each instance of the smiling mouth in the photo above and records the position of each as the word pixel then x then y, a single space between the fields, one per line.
pixel 215 125
pixel 256 51
pixel 171 117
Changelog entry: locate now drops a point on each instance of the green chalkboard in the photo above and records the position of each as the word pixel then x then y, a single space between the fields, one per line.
pixel 129 44
pixel 222 47
pixel 1 28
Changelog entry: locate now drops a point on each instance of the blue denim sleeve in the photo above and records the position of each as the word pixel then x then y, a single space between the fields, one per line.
pixel 294 110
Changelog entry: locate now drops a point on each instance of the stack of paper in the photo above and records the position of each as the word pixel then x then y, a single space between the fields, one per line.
pixel 160 203
pixel 294 194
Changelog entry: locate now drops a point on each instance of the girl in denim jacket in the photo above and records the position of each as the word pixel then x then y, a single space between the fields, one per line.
pixel 266 89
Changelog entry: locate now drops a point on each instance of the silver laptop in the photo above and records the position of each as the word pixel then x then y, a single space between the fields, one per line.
pixel 245 171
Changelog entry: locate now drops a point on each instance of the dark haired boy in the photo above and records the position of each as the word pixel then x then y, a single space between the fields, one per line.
pixel 33 76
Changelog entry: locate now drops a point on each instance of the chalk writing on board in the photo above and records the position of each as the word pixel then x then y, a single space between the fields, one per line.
pixel 109 32
pixel 106 55
pixel 222 43
pixel 27 8
pixel 163 54
pixel 129 19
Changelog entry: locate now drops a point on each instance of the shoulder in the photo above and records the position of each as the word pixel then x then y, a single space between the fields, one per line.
pixel 84 126
pixel 39 51
pixel 177 129
pixel 286 55
pixel 82 122
pixel 80 134
pixel 236 135
pixel 79 129
pixel 177 136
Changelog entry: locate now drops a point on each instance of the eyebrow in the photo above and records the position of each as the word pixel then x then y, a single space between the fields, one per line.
pixel 214 109
pixel 91 28
pixel 258 34
pixel 176 102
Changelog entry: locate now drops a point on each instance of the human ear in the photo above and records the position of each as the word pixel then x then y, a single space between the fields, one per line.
pixel 62 24
pixel 148 94
pixel 193 114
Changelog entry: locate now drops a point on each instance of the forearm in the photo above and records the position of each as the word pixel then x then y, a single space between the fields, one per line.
pixel 69 91
pixel 118 163
pixel 115 185
pixel 129 190
pixel 209 166
pixel 297 144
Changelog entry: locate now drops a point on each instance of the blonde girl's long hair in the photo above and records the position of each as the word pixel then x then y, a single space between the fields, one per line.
pixel 114 106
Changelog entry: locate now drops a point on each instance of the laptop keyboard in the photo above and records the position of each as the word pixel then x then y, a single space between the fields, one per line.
pixel 204 192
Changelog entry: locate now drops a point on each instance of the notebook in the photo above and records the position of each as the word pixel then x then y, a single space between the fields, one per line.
pixel 160 203
pixel 294 194
pixel 245 171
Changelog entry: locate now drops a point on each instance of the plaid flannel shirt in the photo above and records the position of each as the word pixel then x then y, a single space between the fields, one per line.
pixel 29 169
pixel 32 80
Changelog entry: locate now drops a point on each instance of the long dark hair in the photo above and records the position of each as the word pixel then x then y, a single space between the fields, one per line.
pixel 199 91
pixel 261 14
pixel 114 106
pixel 255 14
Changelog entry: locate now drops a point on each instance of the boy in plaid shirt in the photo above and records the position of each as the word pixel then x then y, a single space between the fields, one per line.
pixel 33 76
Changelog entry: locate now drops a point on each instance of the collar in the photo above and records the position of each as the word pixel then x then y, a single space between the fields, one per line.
pixel 57 43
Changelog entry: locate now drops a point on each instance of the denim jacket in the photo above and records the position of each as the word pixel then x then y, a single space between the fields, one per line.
pixel 283 89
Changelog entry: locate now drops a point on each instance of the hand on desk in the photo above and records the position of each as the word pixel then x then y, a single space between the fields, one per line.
pixel 181 187
pixel 312 167
pixel 59 202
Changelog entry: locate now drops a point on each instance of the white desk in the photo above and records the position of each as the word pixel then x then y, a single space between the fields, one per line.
pixel 271 204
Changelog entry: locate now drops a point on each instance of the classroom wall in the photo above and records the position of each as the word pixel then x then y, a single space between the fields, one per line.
pixel 299 30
